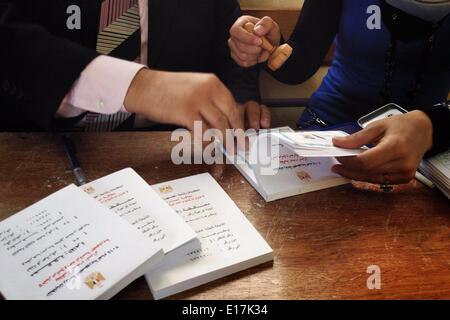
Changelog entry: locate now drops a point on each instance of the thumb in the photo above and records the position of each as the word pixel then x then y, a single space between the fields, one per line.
pixel 361 138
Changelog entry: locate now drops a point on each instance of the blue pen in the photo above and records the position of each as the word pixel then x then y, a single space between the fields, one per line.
pixel 69 147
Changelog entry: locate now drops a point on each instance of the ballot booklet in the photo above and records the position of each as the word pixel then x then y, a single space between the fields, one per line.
pixel 299 162
pixel 227 242
pixel 437 169
pixel 90 242
pixel 131 198
pixel 70 246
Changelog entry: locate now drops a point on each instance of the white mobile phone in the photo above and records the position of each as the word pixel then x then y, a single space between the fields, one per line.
pixel 384 112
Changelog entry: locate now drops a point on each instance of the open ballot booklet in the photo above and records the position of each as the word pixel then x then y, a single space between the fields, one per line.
pixel 91 242
pixel 299 162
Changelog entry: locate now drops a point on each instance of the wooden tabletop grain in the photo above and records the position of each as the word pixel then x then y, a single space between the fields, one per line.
pixel 323 241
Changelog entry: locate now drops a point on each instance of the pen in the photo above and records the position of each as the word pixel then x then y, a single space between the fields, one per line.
pixel 69 147
pixel 424 180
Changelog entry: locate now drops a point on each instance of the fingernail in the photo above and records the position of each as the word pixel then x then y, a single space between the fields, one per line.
pixel 258 42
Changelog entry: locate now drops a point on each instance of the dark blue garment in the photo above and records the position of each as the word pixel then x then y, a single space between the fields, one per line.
pixel 353 84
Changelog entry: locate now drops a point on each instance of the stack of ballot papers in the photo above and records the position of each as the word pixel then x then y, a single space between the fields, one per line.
pixel 227 242
pixel 437 169
pixel 316 143
pixel 91 242
pixel 69 246
pixel 303 162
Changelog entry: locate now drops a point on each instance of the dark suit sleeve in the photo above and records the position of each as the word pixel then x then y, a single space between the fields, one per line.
pixel 311 40
pixel 37 69
pixel 243 83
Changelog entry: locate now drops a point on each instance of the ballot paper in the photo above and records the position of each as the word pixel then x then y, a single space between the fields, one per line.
pixel 437 169
pixel 316 143
pixel 69 246
pixel 131 198
pixel 227 242
pixel 293 170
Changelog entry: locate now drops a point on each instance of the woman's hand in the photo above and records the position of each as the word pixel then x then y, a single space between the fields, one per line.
pixel 245 47
pixel 400 144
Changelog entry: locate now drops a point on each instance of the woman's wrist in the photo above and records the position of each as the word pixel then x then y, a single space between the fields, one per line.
pixel 424 124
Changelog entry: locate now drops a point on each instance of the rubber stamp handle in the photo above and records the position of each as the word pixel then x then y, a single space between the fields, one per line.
pixel 266 45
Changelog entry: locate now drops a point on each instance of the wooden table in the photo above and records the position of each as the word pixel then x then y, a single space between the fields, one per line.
pixel 323 241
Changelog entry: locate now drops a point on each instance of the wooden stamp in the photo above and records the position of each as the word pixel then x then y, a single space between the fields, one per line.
pixel 278 55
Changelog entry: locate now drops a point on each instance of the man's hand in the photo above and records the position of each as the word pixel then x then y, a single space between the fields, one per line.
pixel 401 142
pixel 182 98
pixel 256 116
pixel 245 47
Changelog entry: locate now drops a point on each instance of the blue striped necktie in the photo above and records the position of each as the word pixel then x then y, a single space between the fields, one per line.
pixel 119 36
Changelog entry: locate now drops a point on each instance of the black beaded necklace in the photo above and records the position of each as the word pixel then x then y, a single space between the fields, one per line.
pixel 407 28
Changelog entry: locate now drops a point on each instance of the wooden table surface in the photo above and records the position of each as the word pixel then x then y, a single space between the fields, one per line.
pixel 323 241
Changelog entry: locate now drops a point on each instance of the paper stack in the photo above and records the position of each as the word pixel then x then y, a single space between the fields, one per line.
pixel 91 242
pixel 437 169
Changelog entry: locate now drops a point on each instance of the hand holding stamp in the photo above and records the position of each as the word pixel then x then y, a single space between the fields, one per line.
pixel 278 55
